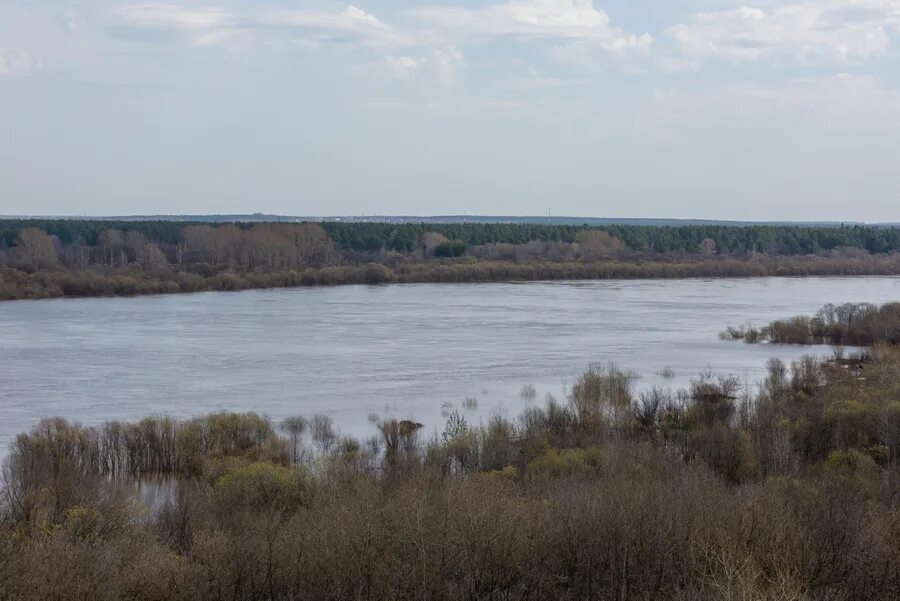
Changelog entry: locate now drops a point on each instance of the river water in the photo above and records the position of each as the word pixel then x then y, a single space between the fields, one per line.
pixel 405 351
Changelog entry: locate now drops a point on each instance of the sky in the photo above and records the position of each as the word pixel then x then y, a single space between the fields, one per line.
pixel 753 109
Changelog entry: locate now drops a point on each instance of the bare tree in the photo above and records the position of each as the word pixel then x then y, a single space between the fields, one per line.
pixel 113 244
pixel 323 432
pixel 431 240
pixel 294 427
pixel 36 247
pixel 596 244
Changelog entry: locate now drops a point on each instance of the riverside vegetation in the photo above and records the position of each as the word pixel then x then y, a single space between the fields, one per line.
pixel 52 258
pixel 791 492
pixel 851 324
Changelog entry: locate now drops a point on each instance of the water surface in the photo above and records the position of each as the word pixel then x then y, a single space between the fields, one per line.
pixel 414 351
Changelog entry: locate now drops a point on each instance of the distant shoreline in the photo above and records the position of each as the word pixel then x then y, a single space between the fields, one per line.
pixel 16 284
pixel 51 259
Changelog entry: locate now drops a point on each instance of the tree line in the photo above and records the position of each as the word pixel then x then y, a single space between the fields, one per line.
pixel 408 237
pixel 50 258
pixel 261 245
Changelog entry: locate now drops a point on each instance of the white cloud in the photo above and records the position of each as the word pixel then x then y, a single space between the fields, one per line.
pixel 353 12
pixel 210 25
pixel 562 21
pixel 576 32
pixel 350 19
pixel 169 16
pixel 445 65
pixel 553 19
pixel 833 30
pixel 14 63
pixel 404 67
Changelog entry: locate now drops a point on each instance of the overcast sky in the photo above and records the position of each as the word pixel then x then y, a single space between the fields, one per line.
pixel 675 108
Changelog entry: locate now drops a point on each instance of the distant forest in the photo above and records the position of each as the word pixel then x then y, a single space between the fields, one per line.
pixel 408 237
pixel 46 258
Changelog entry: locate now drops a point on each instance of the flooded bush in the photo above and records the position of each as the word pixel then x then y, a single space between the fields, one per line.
pixel 848 324
pixel 748 334
pixel 662 494
pixel 601 397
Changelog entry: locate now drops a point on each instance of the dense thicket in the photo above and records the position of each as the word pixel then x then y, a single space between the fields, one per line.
pixel 132 280
pixel 40 259
pixel 710 493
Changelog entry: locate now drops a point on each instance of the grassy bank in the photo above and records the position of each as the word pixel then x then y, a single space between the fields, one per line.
pixel 131 280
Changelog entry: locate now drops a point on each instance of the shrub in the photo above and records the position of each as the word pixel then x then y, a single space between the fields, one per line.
pixel 555 463
pixel 260 487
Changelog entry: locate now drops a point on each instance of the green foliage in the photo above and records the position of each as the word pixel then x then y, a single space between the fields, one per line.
pixel 261 487
pixel 554 463
pixel 508 473
pixel 850 460
pixel 450 248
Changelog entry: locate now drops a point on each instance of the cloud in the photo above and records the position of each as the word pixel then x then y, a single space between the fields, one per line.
pixel 576 33
pixel 15 63
pixel 404 67
pixel 169 16
pixel 350 19
pixel 576 27
pixel 830 30
pixel 211 25
pixel 549 19
pixel 446 65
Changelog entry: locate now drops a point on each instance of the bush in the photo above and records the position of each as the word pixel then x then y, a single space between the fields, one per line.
pixel 261 487
pixel 556 464
pixel 699 494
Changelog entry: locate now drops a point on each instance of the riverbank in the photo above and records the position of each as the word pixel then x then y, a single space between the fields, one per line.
pixel 707 493
pixel 134 280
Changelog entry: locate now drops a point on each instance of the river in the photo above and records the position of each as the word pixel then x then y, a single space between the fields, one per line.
pixel 405 351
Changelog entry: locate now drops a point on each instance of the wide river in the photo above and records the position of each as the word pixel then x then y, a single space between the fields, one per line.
pixel 414 351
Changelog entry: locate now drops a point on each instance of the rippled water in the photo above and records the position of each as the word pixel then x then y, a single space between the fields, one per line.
pixel 401 351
